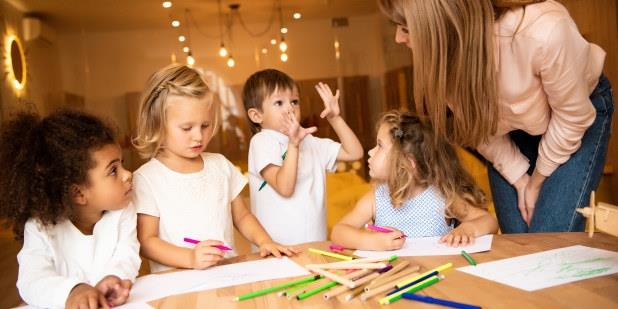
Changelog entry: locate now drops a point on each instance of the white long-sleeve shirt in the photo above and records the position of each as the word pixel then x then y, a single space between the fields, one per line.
pixel 54 259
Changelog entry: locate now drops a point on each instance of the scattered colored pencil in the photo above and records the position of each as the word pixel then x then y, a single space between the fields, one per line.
pixel 413 289
pixel 438 301
pixel 438 269
pixel 331 254
pixel 468 258
pixel 277 288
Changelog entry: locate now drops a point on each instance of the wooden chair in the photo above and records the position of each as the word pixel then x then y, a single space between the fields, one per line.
pixel 601 216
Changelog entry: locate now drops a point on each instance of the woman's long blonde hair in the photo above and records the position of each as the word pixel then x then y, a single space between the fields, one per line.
pixel 174 79
pixel 453 65
pixel 435 164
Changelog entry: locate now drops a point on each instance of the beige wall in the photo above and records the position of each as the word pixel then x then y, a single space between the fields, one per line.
pixel 104 66
pixel 43 91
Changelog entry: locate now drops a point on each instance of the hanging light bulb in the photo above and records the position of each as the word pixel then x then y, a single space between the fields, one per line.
pixel 190 60
pixel 284 57
pixel 167 4
pixel 222 51
pixel 284 30
pixel 273 42
pixel 230 62
pixel 297 15
pixel 264 51
pixel 175 23
pixel 283 46
pixel 186 49
pixel 182 38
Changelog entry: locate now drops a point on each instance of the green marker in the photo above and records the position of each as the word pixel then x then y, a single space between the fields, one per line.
pixel 317 290
pixel 276 288
pixel 264 182
pixel 293 289
pixel 468 258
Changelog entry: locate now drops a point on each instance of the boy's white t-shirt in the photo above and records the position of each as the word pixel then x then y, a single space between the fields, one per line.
pixel 56 258
pixel 302 217
pixel 195 205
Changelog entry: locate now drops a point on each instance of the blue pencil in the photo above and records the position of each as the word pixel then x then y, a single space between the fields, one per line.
pixel 421 279
pixel 437 301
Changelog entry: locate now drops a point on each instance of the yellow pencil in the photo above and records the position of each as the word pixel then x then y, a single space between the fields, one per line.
pixel 350 266
pixel 331 254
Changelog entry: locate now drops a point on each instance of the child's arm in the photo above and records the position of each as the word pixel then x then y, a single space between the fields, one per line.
pixel 38 282
pixel 250 227
pixel 351 148
pixel 477 222
pixel 349 231
pixel 203 255
pixel 283 178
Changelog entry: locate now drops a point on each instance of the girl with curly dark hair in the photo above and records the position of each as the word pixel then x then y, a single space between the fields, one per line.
pixel 65 193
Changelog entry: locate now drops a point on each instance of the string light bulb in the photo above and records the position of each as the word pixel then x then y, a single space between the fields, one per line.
pixel 167 4
pixel 186 49
pixel 175 23
pixel 283 46
pixel 273 41
pixel 297 15
pixel 223 51
pixel 284 57
pixel 284 30
pixel 190 60
pixel 230 62
pixel 181 38
pixel 264 51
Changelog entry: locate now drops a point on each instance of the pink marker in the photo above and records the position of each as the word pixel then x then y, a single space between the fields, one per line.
pixel 379 229
pixel 336 247
pixel 220 247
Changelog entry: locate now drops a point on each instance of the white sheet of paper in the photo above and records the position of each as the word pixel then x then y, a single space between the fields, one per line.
pixel 430 246
pixel 548 268
pixel 155 286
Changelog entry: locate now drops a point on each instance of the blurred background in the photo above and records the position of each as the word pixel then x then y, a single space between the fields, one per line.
pixel 97 55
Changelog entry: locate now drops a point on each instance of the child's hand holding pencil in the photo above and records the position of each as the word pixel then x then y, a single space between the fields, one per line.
pixel 392 240
pixel 207 253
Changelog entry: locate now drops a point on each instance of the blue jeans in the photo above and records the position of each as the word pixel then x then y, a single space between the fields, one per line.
pixel 569 187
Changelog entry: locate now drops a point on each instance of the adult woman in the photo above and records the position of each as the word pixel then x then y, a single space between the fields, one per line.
pixel 521 86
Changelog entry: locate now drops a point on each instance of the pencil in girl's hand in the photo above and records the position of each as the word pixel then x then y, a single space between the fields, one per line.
pixel 380 229
pixel 195 242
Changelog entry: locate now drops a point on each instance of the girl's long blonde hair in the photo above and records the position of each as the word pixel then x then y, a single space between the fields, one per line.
pixel 453 65
pixel 435 164
pixel 174 79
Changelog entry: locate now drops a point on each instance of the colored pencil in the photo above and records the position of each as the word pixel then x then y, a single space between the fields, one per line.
pixel 331 254
pixel 220 247
pixel 385 287
pixel 400 276
pixel 385 276
pixel 421 279
pixel 276 288
pixel 468 258
pixel 438 269
pixel 334 277
pixel 438 301
pixel 350 266
pixel 415 288
pixel 342 289
pixel 264 182
pixel 380 229
pixel 365 260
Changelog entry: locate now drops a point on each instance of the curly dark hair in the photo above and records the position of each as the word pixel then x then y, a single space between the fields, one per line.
pixel 41 159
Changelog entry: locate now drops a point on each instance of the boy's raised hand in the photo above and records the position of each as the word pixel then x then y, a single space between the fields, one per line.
pixel 293 130
pixel 331 102
pixel 115 290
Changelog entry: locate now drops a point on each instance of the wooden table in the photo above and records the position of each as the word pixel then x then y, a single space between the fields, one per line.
pixel 601 292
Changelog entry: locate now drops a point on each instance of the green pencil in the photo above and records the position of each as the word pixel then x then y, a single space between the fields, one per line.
pixel 264 182
pixel 413 289
pixel 468 258
pixel 317 290
pixel 293 289
pixel 276 288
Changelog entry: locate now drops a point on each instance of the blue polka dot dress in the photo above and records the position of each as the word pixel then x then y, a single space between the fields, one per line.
pixel 420 216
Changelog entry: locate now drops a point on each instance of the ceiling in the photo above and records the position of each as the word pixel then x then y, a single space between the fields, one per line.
pixel 121 15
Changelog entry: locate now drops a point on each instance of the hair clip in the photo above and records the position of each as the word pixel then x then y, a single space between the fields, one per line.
pixel 398 133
